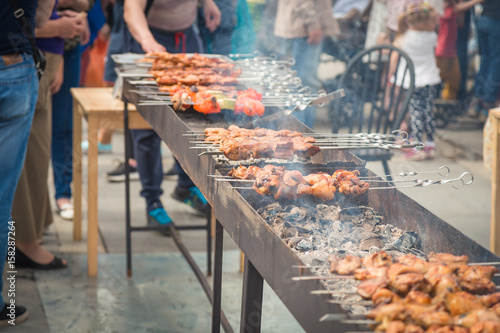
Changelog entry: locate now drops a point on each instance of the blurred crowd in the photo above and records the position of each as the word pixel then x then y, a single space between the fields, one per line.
pixel 76 39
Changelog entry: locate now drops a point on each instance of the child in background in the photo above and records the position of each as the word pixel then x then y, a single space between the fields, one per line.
pixel 417 37
pixel 446 50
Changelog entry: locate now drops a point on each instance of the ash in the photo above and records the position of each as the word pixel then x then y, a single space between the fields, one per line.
pixel 316 231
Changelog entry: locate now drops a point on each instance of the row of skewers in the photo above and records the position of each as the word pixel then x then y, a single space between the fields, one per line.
pixel 237 143
pixel 280 183
pixel 443 294
pixel 180 76
pixel 291 184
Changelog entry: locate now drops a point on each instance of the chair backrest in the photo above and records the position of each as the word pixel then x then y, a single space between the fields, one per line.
pixel 373 103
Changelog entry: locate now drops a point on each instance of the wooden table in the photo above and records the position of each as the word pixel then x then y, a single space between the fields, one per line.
pixel 495 183
pixel 101 110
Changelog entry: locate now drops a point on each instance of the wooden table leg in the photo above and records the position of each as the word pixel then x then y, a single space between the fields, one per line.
pixel 77 171
pixel 92 228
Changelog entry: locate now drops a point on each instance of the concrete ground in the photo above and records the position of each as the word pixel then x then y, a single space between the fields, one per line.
pixel 163 295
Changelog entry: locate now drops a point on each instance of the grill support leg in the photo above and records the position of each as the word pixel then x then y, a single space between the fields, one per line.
pixel 209 242
pixel 251 307
pixel 128 227
pixel 216 306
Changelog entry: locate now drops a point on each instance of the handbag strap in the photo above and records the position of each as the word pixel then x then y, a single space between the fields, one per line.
pixel 26 26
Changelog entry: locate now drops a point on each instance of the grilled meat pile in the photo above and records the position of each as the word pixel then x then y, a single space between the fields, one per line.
pixel 209 84
pixel 241 144
pixel 171 69
pixel 291 184
pixel 440 295
pixel 233 131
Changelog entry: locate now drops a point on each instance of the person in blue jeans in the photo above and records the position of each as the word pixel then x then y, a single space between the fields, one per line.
pixel 487 84
pixel 157 28
pixel 62 121
pixel 18 95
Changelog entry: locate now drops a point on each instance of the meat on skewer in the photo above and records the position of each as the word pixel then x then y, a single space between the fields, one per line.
pixel 344 266
pixel 266 147
pixel 292 184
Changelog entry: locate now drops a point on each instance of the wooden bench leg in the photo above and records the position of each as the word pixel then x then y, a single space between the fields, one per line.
pixel 77 172
pixel 92 231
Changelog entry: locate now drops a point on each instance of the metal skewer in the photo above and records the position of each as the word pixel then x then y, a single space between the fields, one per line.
pixel 316 142
pixel 396 134
pixel 428 182
pixel 341 316
pixel 443 171
pixel 416 183
pixel 331 277
pixel 362 303
pixel 332 292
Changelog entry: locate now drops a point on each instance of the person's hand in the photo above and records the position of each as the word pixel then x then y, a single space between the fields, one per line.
pixel 212 15
pixel 68 13
pixel 315 37
pixel 69 27
pixel 84 31
pixel 152 46
pixel 56 83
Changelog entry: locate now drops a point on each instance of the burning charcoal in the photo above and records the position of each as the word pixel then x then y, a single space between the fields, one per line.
pixel 360 215
pixel 408 240
pixel 370 242
pixel 303 230
pixel 336 226
pixel 335 240
pixel 304 245
pixel 289 233
pixel 326 214
pixel 348 246
pixel 269 211
pixel 293 241
pixel 295 214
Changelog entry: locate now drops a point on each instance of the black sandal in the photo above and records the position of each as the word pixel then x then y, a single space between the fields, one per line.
pixel 24 261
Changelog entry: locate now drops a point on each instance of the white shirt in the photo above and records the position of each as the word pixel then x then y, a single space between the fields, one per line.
pixel 419 45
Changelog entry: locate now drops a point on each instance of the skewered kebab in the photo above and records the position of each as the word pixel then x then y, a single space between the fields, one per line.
pixel 382 142
pixel 208 102
pixel 240 143
pixel 281 183
pixel 183 60
pixel 217 134
pixel 431 298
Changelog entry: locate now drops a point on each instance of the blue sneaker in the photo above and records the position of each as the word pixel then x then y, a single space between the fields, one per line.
pixel 193 197
pixel 101 147
pixel 159 217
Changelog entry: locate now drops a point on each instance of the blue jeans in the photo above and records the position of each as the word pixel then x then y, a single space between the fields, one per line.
pixel 115 42
pixel 62 125
pixel 306 64
pixel 18 94
pixel 488 78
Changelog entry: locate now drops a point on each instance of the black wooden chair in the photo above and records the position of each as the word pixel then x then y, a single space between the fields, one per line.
pixel 373 104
